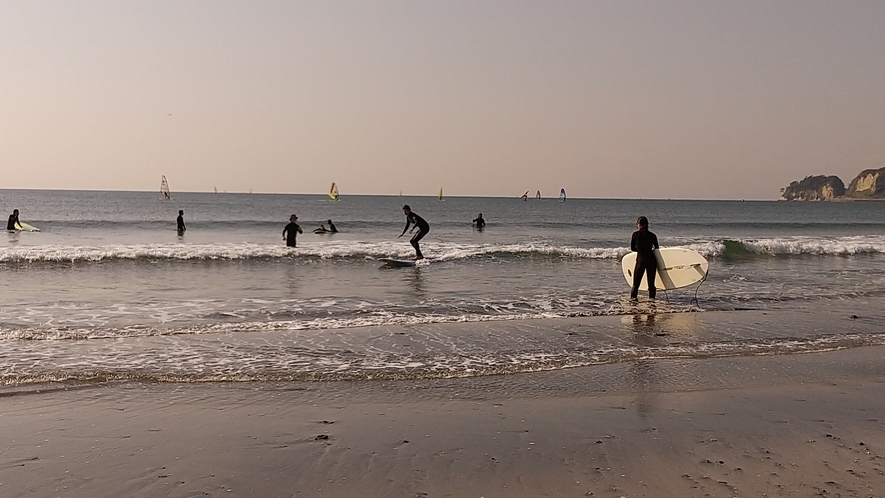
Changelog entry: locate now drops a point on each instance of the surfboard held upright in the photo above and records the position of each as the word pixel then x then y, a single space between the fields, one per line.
pixel 677 268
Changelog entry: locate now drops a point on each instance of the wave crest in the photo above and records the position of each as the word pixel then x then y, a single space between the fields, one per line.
pixel 727 248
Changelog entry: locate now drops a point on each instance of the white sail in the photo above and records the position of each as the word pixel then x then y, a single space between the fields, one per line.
pixel 164 189
pixel 562 195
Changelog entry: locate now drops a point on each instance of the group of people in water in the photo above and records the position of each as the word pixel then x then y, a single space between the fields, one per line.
pixel 643 242
pixel 292 229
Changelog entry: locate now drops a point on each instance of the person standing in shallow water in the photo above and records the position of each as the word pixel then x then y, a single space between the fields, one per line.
pixel 180 221
pixel 644 243
pixel 291 231
pixel 422 226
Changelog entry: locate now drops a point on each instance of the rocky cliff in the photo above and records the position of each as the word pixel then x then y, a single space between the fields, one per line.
pixel 869 184
pixel 814 188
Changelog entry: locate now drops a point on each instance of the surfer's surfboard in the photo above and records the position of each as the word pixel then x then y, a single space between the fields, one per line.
pixel 676 268
pixel 402 262
pixel 24 227
pixel 398 262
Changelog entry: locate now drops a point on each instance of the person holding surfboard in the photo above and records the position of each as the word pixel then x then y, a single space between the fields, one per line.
pixel 291 231
pixel 13 220
pixel 419 223
pixel 643 243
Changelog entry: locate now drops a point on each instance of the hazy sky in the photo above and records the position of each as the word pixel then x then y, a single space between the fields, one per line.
pixel 669 99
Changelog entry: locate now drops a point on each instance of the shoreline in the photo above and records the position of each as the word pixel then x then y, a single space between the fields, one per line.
pixel 780 425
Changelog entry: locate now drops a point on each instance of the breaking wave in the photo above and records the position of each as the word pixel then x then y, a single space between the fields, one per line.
pixel 727 249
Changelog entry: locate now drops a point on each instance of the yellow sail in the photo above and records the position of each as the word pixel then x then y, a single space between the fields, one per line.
pixel 333 192
pixel 440 194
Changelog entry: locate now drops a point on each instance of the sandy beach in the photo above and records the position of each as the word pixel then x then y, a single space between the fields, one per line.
pixel 782 425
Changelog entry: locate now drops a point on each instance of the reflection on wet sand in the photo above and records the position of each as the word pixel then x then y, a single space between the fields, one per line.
pixel 654 331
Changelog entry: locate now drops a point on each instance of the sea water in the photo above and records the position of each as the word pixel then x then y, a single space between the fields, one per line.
pixel 108 289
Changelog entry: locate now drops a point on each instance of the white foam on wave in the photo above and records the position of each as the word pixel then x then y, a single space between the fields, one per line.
pixel 794 246
pixel 332 250
pixel 841 246
pixel 74 331
pixel 837 246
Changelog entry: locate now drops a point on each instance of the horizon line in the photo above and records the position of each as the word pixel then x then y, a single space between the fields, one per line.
pixel 405 195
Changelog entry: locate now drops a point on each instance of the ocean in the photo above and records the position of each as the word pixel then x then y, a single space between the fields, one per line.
pixel 107 290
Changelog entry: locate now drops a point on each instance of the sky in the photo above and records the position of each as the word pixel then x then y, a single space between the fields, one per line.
pixel 608 99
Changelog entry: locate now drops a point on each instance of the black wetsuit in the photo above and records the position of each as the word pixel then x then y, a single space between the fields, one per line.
pixel 181 227
pixel 290 232
pixel 13 220
pixel 332 228
pixel 644 243
pixel 423 229
pixel 480 223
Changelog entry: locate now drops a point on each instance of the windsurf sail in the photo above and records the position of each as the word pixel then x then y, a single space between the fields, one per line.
pixel 538 195
pixel 333 192
pixel 525 195
pixel 562 195
pixel 164 189
pixel 440 194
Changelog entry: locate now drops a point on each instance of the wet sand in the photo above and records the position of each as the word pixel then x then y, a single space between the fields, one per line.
pixel 790 425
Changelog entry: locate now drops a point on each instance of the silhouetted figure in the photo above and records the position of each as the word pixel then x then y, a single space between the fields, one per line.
pixel 291 231
pixel 13 220
pixel 180 221
pixel 644 243
pixel 419 223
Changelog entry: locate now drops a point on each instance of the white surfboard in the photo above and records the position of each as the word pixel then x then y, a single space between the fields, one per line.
pixel 24 227
pixel 403 262
pixel 398 262
pixel 676 268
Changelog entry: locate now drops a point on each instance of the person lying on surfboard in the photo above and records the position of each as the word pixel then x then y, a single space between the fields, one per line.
pixel 420 224
pixel 644 243
pixel 13 220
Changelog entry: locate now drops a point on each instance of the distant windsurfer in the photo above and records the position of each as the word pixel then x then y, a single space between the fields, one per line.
pixel 180 221
pixel 13 222
pixel 420 224
pixel 291 231
pixel 478 222
pixel 644 243
pixel 332 228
